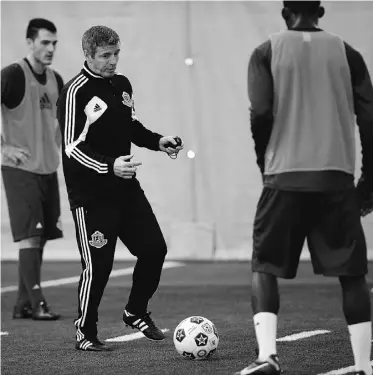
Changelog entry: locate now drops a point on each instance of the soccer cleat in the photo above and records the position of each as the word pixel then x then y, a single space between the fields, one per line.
pixel 98 342
pixel 42 312
pixel 268 367
pixel 92 346
pixel 24 312
pixel 144 324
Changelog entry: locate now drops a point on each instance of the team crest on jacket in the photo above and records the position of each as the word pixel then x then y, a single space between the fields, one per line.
pixel 127 99
pixel 98 240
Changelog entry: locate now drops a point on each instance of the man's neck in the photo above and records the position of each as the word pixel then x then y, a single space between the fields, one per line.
pixel 305 23
pixel 91 69
pixel 37 66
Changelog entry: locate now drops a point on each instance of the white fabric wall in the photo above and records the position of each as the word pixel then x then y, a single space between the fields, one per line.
pixel 206 205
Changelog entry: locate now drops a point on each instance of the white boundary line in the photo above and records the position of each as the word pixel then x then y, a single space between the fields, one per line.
pixel 342 371
pixel 4 333
pixel 75 279
pixel 303 335
pixel 131 336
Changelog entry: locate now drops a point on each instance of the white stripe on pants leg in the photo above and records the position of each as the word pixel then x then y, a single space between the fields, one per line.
pixel 87 273
pixel 84 283
pixel 88 262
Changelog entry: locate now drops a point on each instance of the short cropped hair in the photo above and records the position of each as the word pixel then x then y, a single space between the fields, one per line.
pixel 303 7
pixel 39 23
pixel 98 36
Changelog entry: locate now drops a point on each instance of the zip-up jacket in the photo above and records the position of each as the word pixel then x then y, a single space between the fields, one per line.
pixel 98 124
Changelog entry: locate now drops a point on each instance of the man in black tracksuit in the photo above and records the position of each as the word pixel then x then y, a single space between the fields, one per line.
pixel 98 123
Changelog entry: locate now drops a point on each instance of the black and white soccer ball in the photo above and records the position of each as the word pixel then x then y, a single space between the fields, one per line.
pixel 196 338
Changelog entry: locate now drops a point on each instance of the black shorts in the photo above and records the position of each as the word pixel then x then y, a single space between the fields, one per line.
pixel 329 220
pixel 33 204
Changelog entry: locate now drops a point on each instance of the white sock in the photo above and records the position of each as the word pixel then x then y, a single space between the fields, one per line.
pixel 265 324
pixel 361 339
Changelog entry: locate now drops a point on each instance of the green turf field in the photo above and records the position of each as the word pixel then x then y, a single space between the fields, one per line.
pixel 217 290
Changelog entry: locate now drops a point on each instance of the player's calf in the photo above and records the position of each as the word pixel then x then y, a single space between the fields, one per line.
pixel 357 311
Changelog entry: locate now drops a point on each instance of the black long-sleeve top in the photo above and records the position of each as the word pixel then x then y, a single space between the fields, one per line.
pixel 98 124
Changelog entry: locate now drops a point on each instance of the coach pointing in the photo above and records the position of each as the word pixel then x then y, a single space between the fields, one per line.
pixel 96 114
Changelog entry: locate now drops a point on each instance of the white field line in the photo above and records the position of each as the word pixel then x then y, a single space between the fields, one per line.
pixel 75 279
pixel 4 333
pixel 302 335
pixel 297 336
pixel 342 371
pixel 131 336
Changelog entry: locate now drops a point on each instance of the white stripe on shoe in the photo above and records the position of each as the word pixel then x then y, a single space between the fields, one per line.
pixel 247 371
pixel 131 336
pixel 87 345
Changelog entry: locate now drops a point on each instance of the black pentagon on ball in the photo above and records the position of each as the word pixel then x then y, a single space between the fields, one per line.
pixel 189 355
pixel 196 319
pixel 180 335
pixel 201 339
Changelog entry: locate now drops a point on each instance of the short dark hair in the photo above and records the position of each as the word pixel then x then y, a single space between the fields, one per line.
pixel 303 7
pixel 39 23
pixel 98 36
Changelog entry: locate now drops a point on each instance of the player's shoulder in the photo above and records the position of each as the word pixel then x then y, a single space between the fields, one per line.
pixel 12 70
pixel 351 52
pixel 264 48
pixel 122 82
pixel 356 62
pixel 77 84
pixel 261 53
pixel 354 57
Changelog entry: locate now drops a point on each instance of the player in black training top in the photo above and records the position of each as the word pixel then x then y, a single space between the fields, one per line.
pixel 98 124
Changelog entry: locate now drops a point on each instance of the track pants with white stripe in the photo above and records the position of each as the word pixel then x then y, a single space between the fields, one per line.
pixel 98 227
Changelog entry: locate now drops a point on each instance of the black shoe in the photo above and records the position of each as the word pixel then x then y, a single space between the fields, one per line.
pixel 144 324
pixel 24 312
pixel 269 367
pixel 98 342
pixel 43 312
pixel 92 346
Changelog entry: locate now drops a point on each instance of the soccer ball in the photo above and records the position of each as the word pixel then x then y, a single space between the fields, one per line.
pixel 196 338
